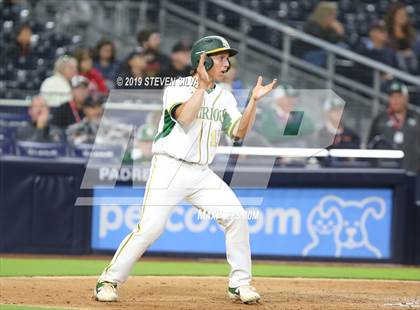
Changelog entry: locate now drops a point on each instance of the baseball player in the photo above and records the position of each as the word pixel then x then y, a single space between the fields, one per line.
pixel 195 112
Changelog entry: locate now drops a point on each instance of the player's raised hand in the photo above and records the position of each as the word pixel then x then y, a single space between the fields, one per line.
pixel 260 90
pixel 204 79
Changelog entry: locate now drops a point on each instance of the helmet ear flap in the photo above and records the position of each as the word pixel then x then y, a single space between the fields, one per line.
pixel 208 63
pixel 228 68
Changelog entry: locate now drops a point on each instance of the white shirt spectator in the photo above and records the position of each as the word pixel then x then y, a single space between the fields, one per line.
pixel 56 90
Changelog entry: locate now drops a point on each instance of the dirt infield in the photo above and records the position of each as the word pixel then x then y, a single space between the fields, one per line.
pixel 210 293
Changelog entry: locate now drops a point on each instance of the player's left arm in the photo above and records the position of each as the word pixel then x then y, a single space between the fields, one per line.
pixel 248 117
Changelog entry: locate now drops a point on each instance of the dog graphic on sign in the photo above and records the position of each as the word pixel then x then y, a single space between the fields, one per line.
pixel 338 225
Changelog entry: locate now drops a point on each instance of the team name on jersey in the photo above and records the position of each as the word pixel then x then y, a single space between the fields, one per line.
pixel 212 114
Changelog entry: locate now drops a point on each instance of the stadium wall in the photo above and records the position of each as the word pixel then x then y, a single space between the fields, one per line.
pixel 40 196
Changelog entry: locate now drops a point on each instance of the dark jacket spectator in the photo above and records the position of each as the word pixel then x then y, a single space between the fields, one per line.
pixel 39 129
pixel 398 127
pixel 86 69
pixel 133 73
pixel 322 24
pixel 85 131
pixel 377 49
pixel 105 61
pixel 71 112
pixel 377 46
pixel 335 134
pixel 180 65
pixel 149 40
pixel 20 52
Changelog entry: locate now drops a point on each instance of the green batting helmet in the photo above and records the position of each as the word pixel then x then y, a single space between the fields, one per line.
pixel 210 45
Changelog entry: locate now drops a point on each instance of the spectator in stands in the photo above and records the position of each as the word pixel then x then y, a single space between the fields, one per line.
pixel 20 52
pixel 398 127
pixel 134 70
pixel 71 112
pixel 322 23
pixel 376 48
pixel 180 65
pixel 142 150
pixel 38 128
pixel 149 40
pixel 273 117
pixel 402 38
pixel 84 132
pixel 56 89
pixel 105 61
pixel 86 69
pixel 377 45
pixel 335 130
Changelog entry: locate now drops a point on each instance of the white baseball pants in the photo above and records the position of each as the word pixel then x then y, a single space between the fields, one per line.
pixel 171 181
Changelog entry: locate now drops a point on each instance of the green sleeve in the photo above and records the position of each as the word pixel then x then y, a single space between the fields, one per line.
pixel 229 124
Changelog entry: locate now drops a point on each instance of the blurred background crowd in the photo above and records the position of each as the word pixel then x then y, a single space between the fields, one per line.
pixel 67 70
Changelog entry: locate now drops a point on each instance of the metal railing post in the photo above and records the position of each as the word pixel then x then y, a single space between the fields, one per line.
pixel 376 91
pixel 202 12
pixel 143 14
pixel 286 56
pixel 162 18
pixel 119 14
pixel 242 42
pixel 330 69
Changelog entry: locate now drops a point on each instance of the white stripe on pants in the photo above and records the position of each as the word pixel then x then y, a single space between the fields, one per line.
pixel 170 182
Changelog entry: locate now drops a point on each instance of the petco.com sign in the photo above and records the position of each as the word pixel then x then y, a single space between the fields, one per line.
pixel 293 222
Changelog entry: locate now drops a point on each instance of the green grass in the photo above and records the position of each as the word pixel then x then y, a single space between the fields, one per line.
pixel 15 307
pixel 79 267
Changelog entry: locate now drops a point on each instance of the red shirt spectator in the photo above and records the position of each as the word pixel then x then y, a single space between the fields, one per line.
pixel 86 69
pixel 97 82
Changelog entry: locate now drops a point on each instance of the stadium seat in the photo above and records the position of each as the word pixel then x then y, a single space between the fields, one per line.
pixel 40 150
pixel 12 120
pixel 6 147
pixel 7 133
pixel 47 43
pixel 99 152
pixel 81 150
pixel 7 26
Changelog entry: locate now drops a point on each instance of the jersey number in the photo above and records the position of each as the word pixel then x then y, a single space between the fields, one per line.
pixel 215 136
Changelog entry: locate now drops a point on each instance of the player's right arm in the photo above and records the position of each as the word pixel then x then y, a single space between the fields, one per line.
pixel 187 111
